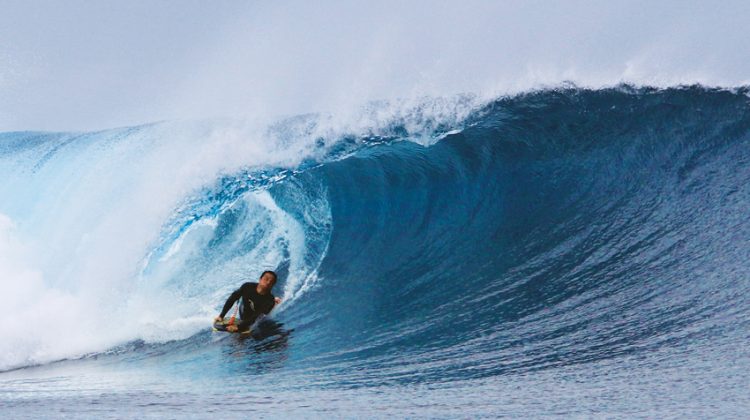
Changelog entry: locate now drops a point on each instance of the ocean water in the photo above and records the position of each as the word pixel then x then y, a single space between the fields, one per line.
pixel 561 252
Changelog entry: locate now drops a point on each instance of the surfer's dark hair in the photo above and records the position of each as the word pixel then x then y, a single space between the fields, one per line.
pixel 275 277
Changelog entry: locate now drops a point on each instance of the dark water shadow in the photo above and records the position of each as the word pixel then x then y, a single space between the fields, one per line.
pixel 266 349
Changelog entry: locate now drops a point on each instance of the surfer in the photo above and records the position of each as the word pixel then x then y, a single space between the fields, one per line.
pixel 256 299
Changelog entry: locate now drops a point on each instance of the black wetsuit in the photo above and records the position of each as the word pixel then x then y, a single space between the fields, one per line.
pixel 251 305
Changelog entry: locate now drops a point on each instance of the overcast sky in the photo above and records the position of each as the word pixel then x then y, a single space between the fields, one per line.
pixel 85 65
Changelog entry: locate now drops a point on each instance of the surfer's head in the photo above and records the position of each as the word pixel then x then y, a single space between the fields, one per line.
pixel 266 282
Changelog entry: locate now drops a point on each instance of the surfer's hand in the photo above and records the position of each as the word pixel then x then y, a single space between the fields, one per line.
pixel 277 300
pixel 232 328
pixel 218 319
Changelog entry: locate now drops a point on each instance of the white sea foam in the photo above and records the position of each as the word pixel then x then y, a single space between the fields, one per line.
pixel 83 212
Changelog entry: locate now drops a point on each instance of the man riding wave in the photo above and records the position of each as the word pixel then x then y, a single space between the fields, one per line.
pixel 255 300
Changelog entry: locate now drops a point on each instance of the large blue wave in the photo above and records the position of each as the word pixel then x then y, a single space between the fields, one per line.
pixel 555 230
pixel 559 228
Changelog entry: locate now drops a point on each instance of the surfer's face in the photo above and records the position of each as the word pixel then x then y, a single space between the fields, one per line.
pixel 266 282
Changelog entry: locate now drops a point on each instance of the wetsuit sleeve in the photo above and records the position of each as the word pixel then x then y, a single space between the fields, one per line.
pixel 232 298
pixel 273 303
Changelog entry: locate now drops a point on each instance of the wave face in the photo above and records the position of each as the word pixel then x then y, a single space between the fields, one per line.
pixel 563 251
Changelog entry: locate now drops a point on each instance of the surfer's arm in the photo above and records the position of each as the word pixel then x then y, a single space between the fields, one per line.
pixel 228 305
pixel 273 305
